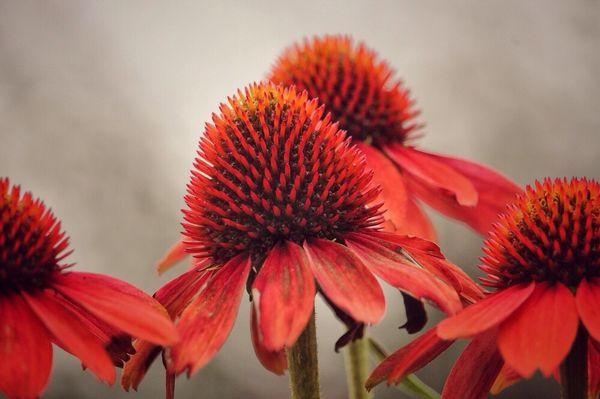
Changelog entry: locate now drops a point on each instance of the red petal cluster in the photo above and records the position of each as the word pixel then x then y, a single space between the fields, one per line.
pixel 357 87
pixel 551 233
pixel 272 167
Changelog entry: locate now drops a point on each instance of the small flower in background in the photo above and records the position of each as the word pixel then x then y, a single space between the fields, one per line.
pixel 378 113
pixel 542 258
pixel 41 302
pixel 279 198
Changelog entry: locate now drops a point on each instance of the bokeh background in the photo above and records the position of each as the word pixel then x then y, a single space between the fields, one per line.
pixel 102 104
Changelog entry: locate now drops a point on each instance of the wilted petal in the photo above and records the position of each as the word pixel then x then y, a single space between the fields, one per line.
pixel 408 359
pixel 206 322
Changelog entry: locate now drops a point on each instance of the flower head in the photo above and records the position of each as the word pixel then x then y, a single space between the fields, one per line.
pixel 376 110
pixel 89 315
pixel 543 259
pixel 280 200
pixel 357 87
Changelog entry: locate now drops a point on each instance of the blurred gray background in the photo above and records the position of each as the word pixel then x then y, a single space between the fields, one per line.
pixel 102 104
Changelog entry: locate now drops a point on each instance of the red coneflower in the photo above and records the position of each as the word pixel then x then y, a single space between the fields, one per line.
pixel 543 259
pixel 280 198
pixel 41 302
pixel 377 112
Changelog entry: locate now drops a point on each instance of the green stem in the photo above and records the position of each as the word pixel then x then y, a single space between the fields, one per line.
pixel 573 370
pixel 357 371
pixel 303 364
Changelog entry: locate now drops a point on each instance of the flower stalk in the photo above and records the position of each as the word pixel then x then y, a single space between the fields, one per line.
pixel 303 364
pixel 357 371
pixel 574 370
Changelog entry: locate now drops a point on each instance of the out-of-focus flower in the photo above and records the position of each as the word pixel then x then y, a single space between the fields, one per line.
pixel 543 259
pixel 279 198
pixel 378 113
pixel 42 302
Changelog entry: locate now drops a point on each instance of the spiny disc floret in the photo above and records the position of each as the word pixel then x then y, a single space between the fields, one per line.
pixel 270 168
pixel 551 233
pixel 355 86
pixel 31 243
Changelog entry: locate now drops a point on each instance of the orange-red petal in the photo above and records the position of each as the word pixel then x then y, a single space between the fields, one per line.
pixel 283 293
pixel 434 174
pixel 540 333
pixel 507 377
pixel 399 272
pixel 72 334
pixel 274 361
pixel 393 189
pixel 25 350
pixel 588 305
pixel 175 254
pixel 485 314
pixel 408 359
pixel 494 192
pixel 119 304
pixel 345 280
pixel 206 323
pixel 475 371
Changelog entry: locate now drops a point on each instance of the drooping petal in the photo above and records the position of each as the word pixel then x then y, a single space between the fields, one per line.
pixel 345 280
pixel 394 268
pixel 417 223
pixel 588 298
pixel 25 350
pixel 540 333
pixel 436 175
pixel 408 359
pixel 416 315
pixel 135 369
pixel 175 254
pixel 389 178
pixel 485 314
pixel 284 294
pixel 119 304
pixel 494 192
pixel 206 323
pixel 274 361
pixel 507 377
pixel 476 369
pixel 179 292
pixel 73 335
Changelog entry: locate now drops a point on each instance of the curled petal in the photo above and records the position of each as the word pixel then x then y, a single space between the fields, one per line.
pixel 72 334
pixel 408 359
pixel 175 254
pixel 540 333
pixel 119 304
pixel 475 371
pixel 284 293
pixel 135 369
pixel 494 192
pixel 485 314
pixel 588 298
pixel 207 321
pixel 507 377
pixel 398 271
pixel 274 361
pixel 345 280
pixel 434 174
pixel 25 350
pixel 388 177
